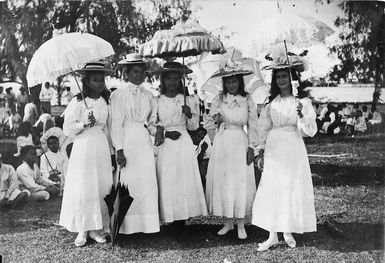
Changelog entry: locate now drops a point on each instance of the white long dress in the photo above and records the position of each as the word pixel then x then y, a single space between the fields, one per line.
pixel 180 188
pixel 89 170
pixel 285 200
pixel 230 183
pixel 131 113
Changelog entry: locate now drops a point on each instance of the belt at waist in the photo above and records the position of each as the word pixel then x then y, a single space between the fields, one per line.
pixel 134 124
pixel 175 128
pixel 233 127
pixel 285 128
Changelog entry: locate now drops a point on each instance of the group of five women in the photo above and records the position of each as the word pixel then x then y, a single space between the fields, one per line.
pixel 164 180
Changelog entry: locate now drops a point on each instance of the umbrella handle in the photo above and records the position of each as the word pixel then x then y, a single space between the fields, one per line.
pixel 77 84
pixel 184 84
pixel 288 63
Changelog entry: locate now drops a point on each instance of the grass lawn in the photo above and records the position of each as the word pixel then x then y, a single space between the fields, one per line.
pixel 31 234
pixel 350 222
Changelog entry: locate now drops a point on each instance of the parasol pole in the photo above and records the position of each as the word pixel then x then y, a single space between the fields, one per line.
pixel 288 63
pixel 184 82
pixel 77 84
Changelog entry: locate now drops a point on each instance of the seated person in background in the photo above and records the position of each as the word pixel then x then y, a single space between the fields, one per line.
pixel 24 136
pixel 349 127
pixel 329 117
pixel 44 122
pixel 30 113
pixel 53 163
pixel 336 125
pixel 30 177
pixel 356 107
pixel 56 131
pixel 344 112
pixel 375 119
pixel 10 194
pixel 360 124
pixel 365 112
pixel 317 109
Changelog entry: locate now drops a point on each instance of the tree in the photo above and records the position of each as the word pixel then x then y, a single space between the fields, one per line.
pixel 362 49
pixel 26 24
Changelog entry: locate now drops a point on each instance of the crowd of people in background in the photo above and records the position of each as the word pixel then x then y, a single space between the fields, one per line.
pixel 345 119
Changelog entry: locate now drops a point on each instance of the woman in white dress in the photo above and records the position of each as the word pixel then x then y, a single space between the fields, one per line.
pixel 131 113
pixel 89 171
pixel 230 187
pixel 180 189
pixel 284 201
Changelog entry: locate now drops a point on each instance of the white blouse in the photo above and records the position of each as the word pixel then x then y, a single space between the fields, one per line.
pixel 169 113
pixel 76 115
pixel 129 104
pixel 282 112
pixel 238 111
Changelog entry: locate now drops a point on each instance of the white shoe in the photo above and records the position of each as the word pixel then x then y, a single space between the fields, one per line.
pixel 290 241
pixel 81 239
pixel 267 244
pixel 242 232
pixel 226 228
pixel 97 237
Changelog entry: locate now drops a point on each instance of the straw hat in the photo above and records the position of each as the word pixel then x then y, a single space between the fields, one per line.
pixel 174 67
pixel 279 61
pixel 132 59
pixel 95 67
pixel 232 68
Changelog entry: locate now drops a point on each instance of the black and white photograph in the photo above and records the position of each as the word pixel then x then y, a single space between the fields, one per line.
pixel 226 131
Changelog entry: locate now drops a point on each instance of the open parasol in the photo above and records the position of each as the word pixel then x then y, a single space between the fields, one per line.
pixel 182 40
pixel 64 54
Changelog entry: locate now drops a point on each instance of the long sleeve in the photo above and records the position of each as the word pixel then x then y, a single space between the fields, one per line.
pixel 118 99
pixel 265 125
pixel 107 130
pixel 72 124
pixel 193 123
pixel 13 182
pixel 307 123
pixel 28 181
pixel 153 120
pixel 252 123
pixel 44 167
pixel 209 122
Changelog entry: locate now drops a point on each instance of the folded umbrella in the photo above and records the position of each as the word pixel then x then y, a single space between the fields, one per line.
pixel 118 203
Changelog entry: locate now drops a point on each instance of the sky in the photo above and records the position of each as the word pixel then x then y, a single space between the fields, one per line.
pixel 238 18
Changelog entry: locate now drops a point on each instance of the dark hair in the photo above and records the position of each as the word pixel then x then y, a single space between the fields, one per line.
pixel 275 90
pixel 68 88
pixel 343 105
pixel 52 137
pixel 364 108
pixel 373 109
pixel 25 150
pixel 163 85
pixel 241 88
pixel 105 94
pixel 59 121
pixel 24 129
pixel 356 105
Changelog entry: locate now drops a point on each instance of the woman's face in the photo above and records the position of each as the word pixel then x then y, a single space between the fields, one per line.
pixel 96 82
pixel 283 80
pixel 172 81
pixel 135 75
pixel 232 85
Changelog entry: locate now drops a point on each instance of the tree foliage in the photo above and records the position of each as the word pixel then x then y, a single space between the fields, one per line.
pixel 26 24
pixel 362 49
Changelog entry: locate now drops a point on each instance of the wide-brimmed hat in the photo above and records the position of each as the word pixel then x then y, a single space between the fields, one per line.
pixel 296 62
pixel 132 59
pixel 95 67
pixel 232 69
pixel 174 67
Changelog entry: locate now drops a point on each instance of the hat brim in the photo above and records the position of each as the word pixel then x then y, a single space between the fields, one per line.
pixel 223 74
pixel 128 62
pixel 105 71
pixel 298 66
pixel 178 70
